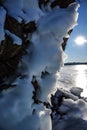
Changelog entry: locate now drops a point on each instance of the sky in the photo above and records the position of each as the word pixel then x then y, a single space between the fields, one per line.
pixel 78 53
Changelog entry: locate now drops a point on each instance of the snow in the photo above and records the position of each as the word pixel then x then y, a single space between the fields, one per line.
pixel 14 8
pixel 70 112
pixel 46 122
pixel 21 10
pixel 18 109
pixel 31 8
pixel 45 23
pixel 2 21
pixel 47 40
pixel 16 103
pixel 16 39
pixel 46 87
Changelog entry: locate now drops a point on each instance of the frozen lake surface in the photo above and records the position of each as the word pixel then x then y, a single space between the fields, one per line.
pixel 74 76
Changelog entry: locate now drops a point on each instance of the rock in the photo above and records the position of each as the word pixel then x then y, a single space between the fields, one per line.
pixel 65 40
pixel 29 27
pixel 76 91
pixel 13 26
pixel 62 3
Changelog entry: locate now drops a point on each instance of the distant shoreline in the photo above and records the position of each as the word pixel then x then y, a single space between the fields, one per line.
pixel 76 63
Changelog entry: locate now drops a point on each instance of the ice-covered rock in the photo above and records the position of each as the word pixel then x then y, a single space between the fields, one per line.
pixel 40 55
pixel 76 91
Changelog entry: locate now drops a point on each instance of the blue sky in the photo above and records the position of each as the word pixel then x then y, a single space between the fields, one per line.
pixel 75 52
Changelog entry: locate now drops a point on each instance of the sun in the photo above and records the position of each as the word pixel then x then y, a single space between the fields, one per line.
pixel 80 40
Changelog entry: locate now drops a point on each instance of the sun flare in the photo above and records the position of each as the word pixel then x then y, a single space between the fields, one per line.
pixel 80 40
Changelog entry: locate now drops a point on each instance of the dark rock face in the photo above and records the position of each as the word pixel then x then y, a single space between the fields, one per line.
pixel 9 57
pixel 10 53
pixel 13 26
pixel 30 27
pixel 61 3
pixel 65 40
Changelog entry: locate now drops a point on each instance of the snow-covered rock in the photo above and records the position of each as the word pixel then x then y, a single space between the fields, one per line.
pixel 76 91
pixel 69 111
pixel 34 80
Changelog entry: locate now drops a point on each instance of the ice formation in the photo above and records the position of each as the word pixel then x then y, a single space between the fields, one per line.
pixel 45 56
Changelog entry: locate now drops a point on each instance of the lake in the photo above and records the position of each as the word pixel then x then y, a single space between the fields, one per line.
pixel 73 76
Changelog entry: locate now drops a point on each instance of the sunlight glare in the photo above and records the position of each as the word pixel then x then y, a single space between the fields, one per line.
pixel 80 40
pixel 81 80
